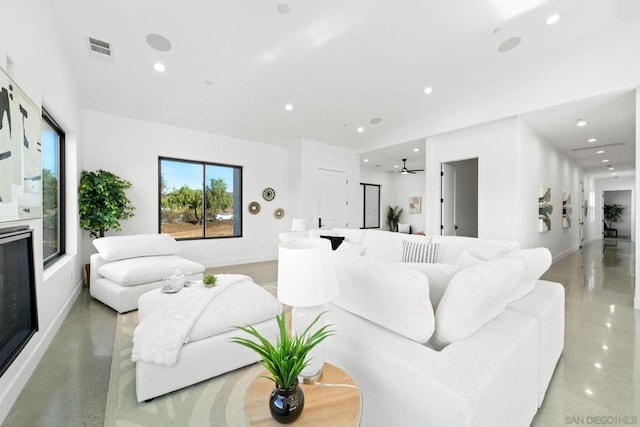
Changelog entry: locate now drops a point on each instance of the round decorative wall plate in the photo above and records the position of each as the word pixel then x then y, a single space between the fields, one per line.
pixel 279 213
pixel 268 194
pixel 254 207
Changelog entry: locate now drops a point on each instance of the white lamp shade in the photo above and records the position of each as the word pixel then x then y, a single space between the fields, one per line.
pixel 306 273
pixel 299 224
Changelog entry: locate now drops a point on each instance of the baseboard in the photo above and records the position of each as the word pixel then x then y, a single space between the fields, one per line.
pixel 563 254
pixel 238 261
pixel 34 355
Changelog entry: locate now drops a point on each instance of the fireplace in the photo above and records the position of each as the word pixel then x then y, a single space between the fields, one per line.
pixel 18 307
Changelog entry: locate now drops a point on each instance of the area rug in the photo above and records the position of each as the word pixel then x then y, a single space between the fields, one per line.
pixel 216 402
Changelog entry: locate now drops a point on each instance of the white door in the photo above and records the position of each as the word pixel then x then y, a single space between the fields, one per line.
pixel 331 199
pixel 448 200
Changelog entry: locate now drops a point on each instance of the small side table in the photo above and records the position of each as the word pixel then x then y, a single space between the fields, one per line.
pixel 323 406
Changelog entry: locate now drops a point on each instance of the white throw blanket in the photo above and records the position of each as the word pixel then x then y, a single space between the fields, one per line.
pixel 159 337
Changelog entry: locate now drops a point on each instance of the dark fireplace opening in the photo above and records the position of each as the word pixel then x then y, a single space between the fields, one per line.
pixel 18 306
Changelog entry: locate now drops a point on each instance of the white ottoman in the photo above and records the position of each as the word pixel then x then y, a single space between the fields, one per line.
pixel 208 351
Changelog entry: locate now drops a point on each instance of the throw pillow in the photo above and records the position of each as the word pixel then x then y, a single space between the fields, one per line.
pixel 474 296
pixel 114 248
pixel 349 249
pixel 335 241
pixel 389 295
pixel 465 259
pixel 419 252
pixel 404 228
pixel 538 260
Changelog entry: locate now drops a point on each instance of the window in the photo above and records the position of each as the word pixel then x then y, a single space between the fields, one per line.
pixel 53 215
pixel 199 200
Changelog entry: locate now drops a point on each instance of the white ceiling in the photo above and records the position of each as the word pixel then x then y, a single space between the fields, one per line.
pixel 234 64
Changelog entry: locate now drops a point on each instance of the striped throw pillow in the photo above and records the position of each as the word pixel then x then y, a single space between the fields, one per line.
pixel 419 252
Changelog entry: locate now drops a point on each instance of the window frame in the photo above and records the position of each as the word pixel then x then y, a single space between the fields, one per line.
pixel 364 205
pixel 204 165
pixel 62 235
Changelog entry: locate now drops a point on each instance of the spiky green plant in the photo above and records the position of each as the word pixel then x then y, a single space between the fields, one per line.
pixel 288 357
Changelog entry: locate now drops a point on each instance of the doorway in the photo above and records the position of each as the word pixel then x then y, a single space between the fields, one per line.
pixel 459 198
pixel 621 227
pixel 331 199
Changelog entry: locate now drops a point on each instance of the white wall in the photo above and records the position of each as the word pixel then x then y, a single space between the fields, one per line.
pixel 307 156
pixel 542 164
pixel 28 36
pixel 494 144
pixel 130 148
pixel 401 188
pixel 622 198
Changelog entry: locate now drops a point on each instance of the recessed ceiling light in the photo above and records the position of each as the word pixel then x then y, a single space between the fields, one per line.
pixel 614 174
pixel 427 90
pixel 605 161
pixel 581 123
pixel 588 391
pixel 158 42
pixel 597 365
pixel 552 19
pixel 284 8
pixel 599 151
pixel 415 150
pixel 605 347
pixel 159 67
pixel 611 168
pixel 396 166
pixel 360 129
pixel 288 107
pixel 366 160
pixel 509 44
pixel 592 140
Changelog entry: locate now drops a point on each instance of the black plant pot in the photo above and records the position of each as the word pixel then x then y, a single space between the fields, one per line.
pixel 286 404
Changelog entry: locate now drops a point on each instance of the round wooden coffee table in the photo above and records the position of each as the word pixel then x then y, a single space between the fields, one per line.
pixel 323 406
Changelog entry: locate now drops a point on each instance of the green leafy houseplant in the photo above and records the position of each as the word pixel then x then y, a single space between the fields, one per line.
pixel 287 358
pixel 612 213
pixel 209 280
pixel 393 217
pixel 102 202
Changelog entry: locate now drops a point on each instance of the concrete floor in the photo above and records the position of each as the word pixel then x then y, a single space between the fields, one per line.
pixel 597 376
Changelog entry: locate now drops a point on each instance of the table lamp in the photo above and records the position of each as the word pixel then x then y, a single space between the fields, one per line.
pixel 307 280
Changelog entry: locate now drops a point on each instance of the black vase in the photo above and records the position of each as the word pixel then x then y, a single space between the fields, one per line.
pixel 286 404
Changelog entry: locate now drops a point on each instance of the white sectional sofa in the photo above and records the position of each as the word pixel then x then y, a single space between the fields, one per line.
pixel 470 340
pixel 126 267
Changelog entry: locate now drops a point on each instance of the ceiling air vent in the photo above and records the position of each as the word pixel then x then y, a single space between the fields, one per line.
pixel 99 48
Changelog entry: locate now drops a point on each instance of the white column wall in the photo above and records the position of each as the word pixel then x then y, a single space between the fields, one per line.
pixel 495 146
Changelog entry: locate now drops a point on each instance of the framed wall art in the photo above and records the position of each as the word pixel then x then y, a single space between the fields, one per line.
pixel 566 210
pixel 545 209
pixel 20 153
pixel 415 204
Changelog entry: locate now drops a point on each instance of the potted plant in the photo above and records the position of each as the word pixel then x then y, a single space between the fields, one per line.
pixel 285 361
pixel 393 217
pixel 102 203
pixel 612 213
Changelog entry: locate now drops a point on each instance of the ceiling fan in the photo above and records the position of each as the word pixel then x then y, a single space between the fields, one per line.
pixel 404 169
